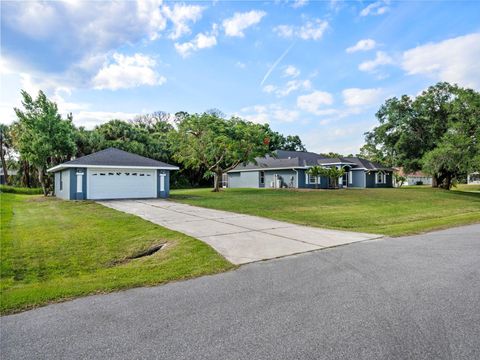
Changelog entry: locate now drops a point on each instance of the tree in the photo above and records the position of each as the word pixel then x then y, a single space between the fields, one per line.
pixel 5 149
pixel 218 144
pixel 278 141
pixel 333 174
pixel 43 138
pixel 88 141
pixel 399 179
pixel 316 171
pixel 412 128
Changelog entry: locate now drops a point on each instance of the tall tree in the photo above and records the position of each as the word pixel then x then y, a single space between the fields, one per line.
pixel 278 141
pixel 412 128
pixel 218 144
pixel 5 149
pixel 43 139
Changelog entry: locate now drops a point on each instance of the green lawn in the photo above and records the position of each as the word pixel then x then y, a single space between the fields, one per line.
pixel 53 250
pixel 383 211
pixel 465 187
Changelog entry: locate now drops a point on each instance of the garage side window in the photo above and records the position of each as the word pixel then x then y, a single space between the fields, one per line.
pixel 61 181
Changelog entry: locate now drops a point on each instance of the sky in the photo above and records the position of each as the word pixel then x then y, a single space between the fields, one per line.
pixel 317 69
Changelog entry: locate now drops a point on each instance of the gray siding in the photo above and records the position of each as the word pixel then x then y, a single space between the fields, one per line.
pixel 244 179
pixel 358 177
pixel 64 192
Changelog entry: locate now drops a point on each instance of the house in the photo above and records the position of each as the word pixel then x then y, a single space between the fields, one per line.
pixel 288 169
pixel 10 172
pixel 415 178
pixel 473 178
pixel 112 174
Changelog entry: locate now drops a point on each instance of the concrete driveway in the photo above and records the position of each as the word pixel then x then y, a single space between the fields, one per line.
pixel 413 297
pixel 239 238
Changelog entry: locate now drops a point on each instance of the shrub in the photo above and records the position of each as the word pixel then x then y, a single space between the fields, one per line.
pixel 20 190
pixel 419 183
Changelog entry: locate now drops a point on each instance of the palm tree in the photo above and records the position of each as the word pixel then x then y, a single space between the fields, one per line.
pixel 316 171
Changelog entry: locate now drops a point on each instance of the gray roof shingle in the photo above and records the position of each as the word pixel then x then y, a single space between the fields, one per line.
pixel 296 159
pixel 115 157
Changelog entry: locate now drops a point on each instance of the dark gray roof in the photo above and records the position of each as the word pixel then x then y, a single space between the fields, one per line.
pixel 114 157
pixel 299 159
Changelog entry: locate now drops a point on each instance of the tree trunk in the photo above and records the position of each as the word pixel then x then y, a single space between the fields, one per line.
pixel 41 179
pixel 434 181
pixel 26 174
pixel 217 179
pixel 4 165
pixel 448 182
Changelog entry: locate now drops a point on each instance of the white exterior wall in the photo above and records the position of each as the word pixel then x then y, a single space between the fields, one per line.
pixel 412 180
pixel 473 179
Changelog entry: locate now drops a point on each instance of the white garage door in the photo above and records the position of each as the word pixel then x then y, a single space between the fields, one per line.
pixel 121 183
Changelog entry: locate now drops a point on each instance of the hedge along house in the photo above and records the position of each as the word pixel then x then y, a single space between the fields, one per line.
pixel 288 169
pixel 112 174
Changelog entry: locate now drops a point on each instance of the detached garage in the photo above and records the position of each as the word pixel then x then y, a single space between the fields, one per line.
pixel 112 174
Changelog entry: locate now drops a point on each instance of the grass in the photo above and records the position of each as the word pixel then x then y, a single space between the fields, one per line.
pixel 52 250
pixel 391 212
pixel 20 190
pixel 468 188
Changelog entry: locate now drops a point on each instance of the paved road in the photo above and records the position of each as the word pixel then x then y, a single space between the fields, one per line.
pixel 239 238
pixel 405 298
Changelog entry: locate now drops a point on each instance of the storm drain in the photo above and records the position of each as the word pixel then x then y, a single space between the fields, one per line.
pixel 147 252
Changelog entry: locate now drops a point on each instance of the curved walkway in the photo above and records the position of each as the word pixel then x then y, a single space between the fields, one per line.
pixel 239 238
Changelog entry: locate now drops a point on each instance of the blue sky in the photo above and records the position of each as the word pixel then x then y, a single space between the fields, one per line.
pixel 316 69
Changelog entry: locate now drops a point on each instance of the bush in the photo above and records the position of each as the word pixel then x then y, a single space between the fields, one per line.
pixel 419 183
pixel 20 190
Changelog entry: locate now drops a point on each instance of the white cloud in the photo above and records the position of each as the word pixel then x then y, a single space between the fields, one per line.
pixel 126 72
pixel 269 88
pixel 201 41
pixel 314 101
pixel 289 87
pixel 266 114
pixel 181 15
pixel 376 8
pixel 381 58
pixel 285 31
pixel 235 25
pixel 74 24
pixel 240 65
pixel 291 71
pixel 90 119
pixel 361 97
pixel 311 30
pixel 362 45
pixel 299 3
pixel 454 60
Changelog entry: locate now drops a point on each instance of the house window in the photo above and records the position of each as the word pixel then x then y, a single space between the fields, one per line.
pixel 262 177
pixel 61 181
pixel 312 179
pixel 381 178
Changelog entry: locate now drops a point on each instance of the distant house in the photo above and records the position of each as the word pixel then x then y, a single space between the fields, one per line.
pixel 10 172
pixel 473 178
pixel 416 178
pixel 288 169
pixel 112 174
